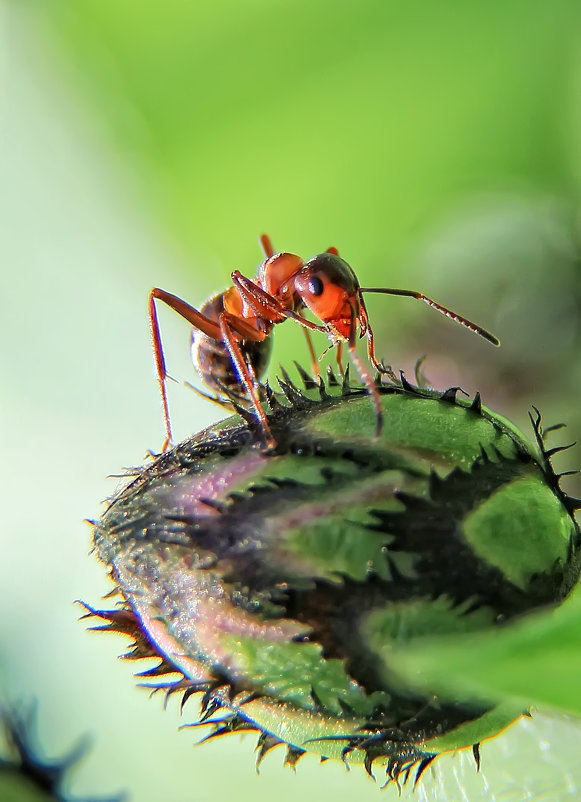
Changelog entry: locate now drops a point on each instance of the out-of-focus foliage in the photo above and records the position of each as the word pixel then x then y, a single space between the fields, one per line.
pixel 362 122
pixel 26 775
pixel 435 144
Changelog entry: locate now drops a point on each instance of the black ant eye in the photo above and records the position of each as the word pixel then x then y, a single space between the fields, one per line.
pixel 315 286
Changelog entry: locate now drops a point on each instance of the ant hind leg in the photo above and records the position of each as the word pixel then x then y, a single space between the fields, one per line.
pixel 266 245
pixel 224 403
pixel 195 319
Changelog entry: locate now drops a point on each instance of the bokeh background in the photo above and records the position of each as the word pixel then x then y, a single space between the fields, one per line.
pixel 437 145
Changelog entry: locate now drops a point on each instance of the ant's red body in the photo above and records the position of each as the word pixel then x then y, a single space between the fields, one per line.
pixel 231 340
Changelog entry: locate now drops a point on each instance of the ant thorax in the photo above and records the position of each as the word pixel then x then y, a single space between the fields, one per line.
pixel 276 277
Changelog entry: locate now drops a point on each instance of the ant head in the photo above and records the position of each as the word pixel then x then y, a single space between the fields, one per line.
pixel 329 288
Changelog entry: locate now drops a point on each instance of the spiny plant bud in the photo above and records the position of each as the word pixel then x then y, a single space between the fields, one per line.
pixel 275 583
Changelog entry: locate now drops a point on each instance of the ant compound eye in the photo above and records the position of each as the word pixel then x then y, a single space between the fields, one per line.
pixel 315 286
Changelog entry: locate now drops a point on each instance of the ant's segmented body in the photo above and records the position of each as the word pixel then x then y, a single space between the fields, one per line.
pixel 231 338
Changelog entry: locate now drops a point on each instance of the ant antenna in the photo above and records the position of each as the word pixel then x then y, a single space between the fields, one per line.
pixel 442 309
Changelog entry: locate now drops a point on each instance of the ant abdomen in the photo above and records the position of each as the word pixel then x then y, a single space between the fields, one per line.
pixel 212 358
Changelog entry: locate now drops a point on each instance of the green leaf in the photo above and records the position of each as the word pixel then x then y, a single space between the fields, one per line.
pixel 536 660
pixel 296 672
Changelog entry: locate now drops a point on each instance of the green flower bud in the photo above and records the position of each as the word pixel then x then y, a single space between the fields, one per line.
pixel 278 583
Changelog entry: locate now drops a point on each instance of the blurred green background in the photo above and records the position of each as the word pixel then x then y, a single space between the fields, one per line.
pixel 437 145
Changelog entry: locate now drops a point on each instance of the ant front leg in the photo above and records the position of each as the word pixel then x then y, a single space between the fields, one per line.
pixel 270 309
pixel 228 324
pixel 366 326
pixel 266 306
pixel 196 319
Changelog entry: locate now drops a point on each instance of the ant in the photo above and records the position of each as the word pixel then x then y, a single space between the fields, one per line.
pixel 232 332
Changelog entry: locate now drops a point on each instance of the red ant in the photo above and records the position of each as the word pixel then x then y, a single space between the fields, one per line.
pixel 231 338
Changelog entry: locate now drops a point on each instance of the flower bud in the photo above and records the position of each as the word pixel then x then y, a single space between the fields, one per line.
pixel 278 583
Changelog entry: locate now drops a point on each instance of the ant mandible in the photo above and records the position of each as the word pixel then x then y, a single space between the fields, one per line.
pixel 232 332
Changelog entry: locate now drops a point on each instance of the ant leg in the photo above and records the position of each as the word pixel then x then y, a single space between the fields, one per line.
pixel 228 398
pixel 215 399
pixel 371 388
pixel 266 306
pixel 160 367
pixel 193 317
pixel 312 355
pixel 339 354
pixel 311 349
pixel 246 377
pixel 386 370
pixel 262 303
pixel 266 245
pixel 366 326
pixel 268 250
